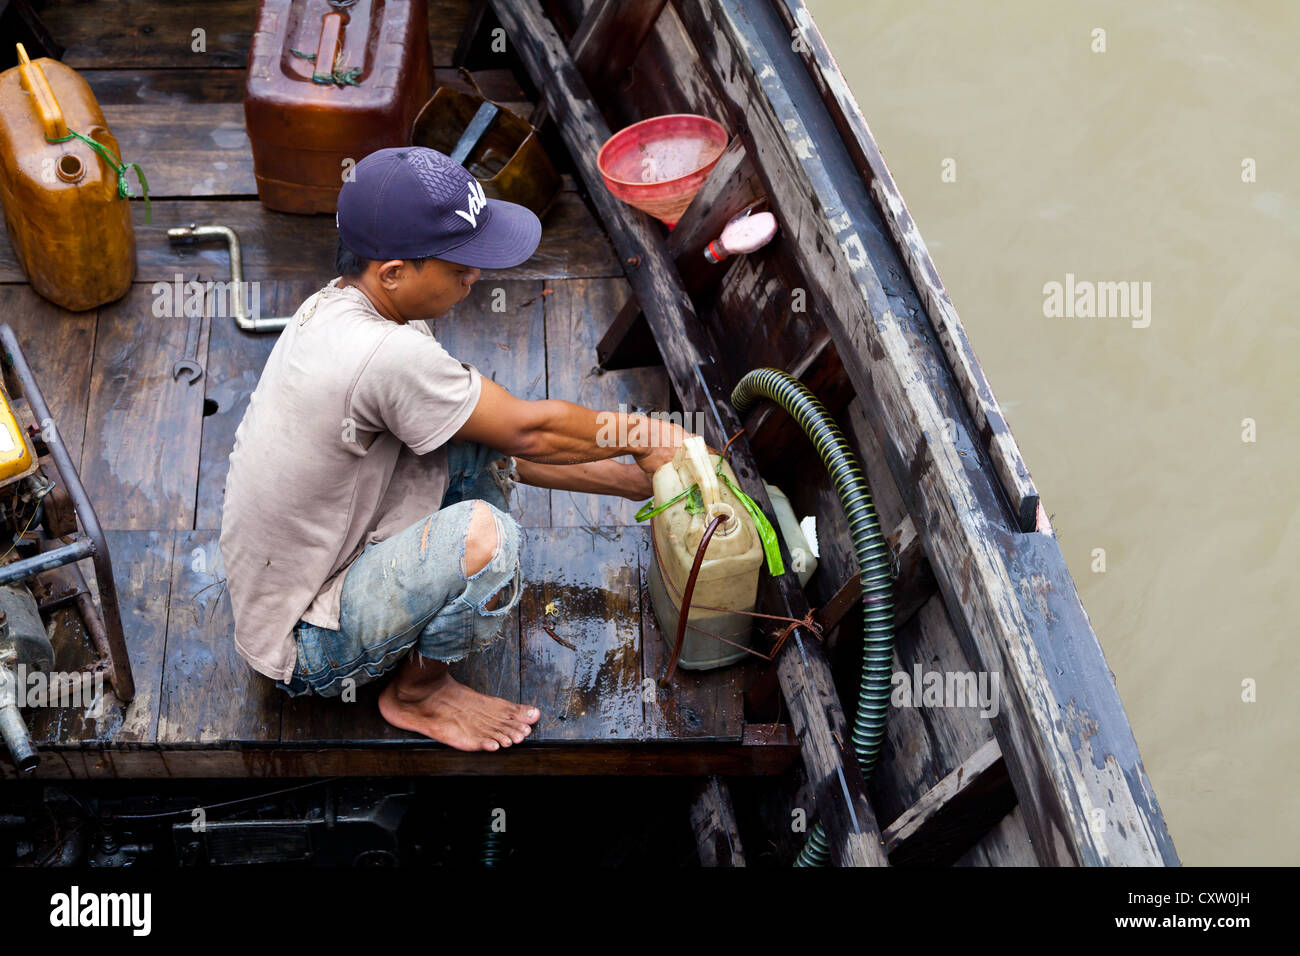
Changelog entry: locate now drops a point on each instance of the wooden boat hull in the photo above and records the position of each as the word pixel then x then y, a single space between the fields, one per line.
pixel 846 298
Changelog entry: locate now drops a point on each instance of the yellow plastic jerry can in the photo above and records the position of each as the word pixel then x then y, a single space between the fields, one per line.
pixel 728 578
pixel 68 220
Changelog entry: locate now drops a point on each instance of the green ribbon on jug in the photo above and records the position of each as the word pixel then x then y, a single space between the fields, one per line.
pixel 337 77
pixel 123 187
pixel 695 505
pixel 766 533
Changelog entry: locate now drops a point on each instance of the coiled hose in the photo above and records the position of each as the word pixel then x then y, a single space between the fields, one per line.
pixel 492 851
pixel 875 565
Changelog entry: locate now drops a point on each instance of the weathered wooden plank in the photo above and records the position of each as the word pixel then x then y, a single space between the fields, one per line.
pixel 59 346
pixel 608 40
pixel 668 76
pixel 755 756
pixel 713 818
pixel 226 85
pixel 143 34
pixel 572 245
pixel 574 314
pixel 209 693
pixel 1007 844
pixel 141 453
pixel 1085 795
pixel 691 359
pixel 467 46
pixel 927 737
pixel 581 584
pixel 1004 453
pixel 915 583
pixel 946 822
pixel 146 34
pixel 776 436
pixel 186 149
pixel 235 361
pixel 501 330
pixel 697 705
pixel 175 86
pixel 142 562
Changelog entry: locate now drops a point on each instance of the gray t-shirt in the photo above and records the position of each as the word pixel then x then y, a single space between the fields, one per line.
pixel 342 445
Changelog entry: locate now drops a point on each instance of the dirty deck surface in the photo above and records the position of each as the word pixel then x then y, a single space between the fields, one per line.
pixel 152 452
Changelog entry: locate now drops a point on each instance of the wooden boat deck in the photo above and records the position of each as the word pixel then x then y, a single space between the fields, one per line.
pixel 152 452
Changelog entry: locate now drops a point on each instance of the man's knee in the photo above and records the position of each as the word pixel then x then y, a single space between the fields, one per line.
pixel 481 539
pixel 483 543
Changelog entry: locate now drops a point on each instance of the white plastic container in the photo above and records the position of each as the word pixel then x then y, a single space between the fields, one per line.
pixel 802 560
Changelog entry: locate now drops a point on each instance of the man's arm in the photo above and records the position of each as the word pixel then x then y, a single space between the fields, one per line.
pixel 592 477
pixel 552 432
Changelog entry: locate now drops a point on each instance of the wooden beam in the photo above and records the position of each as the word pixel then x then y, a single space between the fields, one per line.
pixel 763 751
pixel 609 38
pixel 466 45
pixel 692 362
pixel 605 44
pixel 1013 473
pixel 773 432
pixel 914 582
pixel 713 819
pixel 952 816
pixel 1067 742
pixel 731 187
pixel 19 23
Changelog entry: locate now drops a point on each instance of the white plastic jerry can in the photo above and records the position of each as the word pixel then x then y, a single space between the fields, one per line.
pixel 728 577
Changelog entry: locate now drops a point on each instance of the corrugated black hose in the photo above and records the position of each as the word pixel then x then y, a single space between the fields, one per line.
pixel 875 565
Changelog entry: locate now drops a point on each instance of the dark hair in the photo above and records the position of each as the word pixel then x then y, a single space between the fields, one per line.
pixel 350 265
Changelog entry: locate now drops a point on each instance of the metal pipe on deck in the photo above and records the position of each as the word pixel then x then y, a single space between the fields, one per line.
pixel 242 318
pixel 12 727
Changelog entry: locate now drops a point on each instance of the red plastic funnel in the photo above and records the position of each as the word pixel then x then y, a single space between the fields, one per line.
pixel 659 164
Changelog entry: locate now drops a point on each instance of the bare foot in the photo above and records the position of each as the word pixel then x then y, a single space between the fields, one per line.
pixel 428 700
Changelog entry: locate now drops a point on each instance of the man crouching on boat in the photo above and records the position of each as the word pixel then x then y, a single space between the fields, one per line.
pixel 366 525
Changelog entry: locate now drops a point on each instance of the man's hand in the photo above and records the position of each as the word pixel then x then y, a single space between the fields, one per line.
pixel 663 439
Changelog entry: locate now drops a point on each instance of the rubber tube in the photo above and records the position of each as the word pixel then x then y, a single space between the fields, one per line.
pixel 875 565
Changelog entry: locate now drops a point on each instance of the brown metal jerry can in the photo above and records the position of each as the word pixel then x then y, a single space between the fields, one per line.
pixel 329 82
pixel 64 205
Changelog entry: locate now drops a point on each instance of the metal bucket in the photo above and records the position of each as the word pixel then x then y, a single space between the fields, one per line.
pixel 508 161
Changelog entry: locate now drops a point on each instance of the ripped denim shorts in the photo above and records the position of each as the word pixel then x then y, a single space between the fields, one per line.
pixel 410 592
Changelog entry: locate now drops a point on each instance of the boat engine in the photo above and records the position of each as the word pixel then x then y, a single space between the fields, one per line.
pixel 24 644
pixel 47 526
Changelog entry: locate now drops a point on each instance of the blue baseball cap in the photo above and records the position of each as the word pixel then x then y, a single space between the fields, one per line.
pixel 411 202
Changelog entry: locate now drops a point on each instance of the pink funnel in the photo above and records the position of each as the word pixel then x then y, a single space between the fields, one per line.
pixel 659 164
